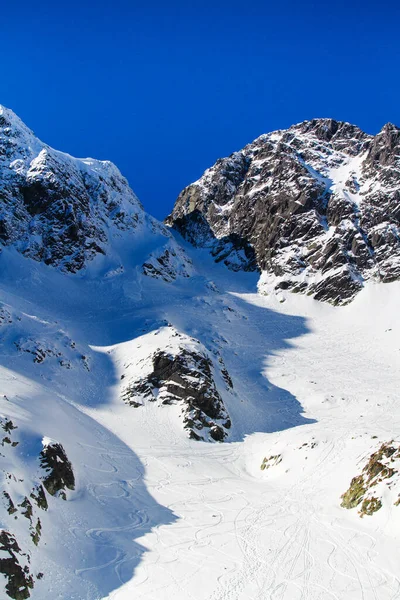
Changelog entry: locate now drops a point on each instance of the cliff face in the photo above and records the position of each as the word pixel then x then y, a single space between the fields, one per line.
pixel 319 205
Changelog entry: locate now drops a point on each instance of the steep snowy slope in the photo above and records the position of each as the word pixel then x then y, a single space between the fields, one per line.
pixel 316 207
pixel 122 373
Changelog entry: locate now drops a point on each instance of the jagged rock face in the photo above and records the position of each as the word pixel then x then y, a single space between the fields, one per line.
pixel 319 203
pixel 182 374
pixel 59 475
pixel 55 208
pixel 188 377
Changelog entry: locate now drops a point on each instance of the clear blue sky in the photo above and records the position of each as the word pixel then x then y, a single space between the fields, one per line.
pixel 165 88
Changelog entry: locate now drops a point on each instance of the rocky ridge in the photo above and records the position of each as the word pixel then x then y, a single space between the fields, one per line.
pixel 66 212
pixel 318 204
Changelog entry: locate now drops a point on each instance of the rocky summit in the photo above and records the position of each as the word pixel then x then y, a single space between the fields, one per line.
pixel 315 207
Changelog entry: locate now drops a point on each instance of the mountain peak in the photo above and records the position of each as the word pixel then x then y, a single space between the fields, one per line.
pixel 327 129
pixel 317 202
pixel 8 119
pixel 57 208
pixel 390 127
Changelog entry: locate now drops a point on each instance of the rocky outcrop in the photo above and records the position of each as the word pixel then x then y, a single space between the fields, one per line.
pixel 376 484
pixel 168 263
pixel 5 316
pixel 59 475
pixel 182 375
pixel 318 204
pixel 14 565
pixel 62 350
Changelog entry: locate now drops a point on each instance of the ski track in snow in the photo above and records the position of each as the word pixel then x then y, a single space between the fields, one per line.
pixel 229 531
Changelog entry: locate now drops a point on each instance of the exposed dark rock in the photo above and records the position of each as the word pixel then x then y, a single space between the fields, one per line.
pixel 27 512
pixel 337 288
pixel 194 227
pixel 39 497
pixel 186 378
pixel 35 347
pixel 19 579
pixel 226 377
pixel 7 425
pixel 22 510
pixel 27 508
pixel 384 146
pixel 271 461
pixel 5 315
pixel 61 348
pixel 59 474
pixel 10 504
pixel 36 532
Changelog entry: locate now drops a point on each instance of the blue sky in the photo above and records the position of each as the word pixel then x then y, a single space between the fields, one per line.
pixel 163 89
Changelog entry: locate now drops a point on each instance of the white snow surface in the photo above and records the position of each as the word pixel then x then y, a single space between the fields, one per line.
pixel 30 155
pixel 156 516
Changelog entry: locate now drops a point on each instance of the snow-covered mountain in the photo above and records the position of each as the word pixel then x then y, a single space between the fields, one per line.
pixel 318 203
pixel 168 432
pixel 67 212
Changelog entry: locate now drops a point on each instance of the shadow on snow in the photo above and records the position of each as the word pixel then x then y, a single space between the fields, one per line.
pixel 246 335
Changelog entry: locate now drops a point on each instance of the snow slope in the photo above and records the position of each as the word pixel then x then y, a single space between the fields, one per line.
pixel 247 533
pixel 156 515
